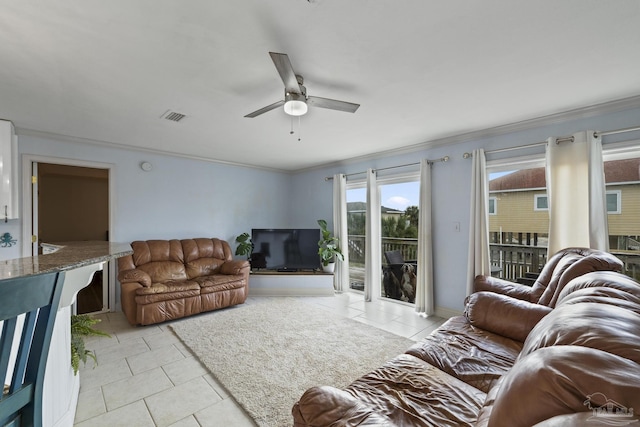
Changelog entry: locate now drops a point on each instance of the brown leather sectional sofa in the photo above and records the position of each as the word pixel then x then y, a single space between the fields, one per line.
pixel 169 279
pixel 565 352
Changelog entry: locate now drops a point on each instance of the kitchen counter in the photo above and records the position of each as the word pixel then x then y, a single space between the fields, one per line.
pixel 70 256
pixel 79 261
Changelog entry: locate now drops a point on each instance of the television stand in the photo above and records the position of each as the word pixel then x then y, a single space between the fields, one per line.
pixel 290 283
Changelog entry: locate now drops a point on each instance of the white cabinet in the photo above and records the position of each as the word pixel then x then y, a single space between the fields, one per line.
pixel 272 283
pixel 8 171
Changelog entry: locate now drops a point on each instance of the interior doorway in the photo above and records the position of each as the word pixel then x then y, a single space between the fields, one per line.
pixel 71 203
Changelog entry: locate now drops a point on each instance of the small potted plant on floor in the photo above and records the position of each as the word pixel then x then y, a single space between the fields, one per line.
pixel 328 248
pixel 81 327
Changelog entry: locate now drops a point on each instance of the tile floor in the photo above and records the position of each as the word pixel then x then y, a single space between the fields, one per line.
pixel 146 377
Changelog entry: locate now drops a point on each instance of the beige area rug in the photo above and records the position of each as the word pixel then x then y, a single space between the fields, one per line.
pixel 269 351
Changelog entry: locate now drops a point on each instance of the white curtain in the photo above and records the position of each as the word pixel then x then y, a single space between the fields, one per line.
pixel 479 257
pixel 424 279
pixel 373 262
pixel 576 193
pixel 598 217
pixel 341 273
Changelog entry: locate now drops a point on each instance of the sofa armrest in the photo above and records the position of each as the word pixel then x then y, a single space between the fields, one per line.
pixel 503 315
pixel 135 275
pixel 235 267
pixel 501 286
pixel 329 406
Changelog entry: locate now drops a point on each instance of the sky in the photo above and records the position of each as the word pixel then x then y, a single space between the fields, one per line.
pixel 399 196
pixel 395 196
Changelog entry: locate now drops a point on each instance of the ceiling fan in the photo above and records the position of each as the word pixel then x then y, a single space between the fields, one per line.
pixel 295 100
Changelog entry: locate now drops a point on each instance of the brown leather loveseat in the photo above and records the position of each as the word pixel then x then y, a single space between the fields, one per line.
pixel 169 279
pixel 510 361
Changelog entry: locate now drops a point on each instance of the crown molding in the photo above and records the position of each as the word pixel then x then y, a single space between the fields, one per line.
pixel 548 120
pixel 79 140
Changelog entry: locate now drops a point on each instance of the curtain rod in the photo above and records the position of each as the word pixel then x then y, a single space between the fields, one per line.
pixel 613 132
pixel 441 159
pixel 558 141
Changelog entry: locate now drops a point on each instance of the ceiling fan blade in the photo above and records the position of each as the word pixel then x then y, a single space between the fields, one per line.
pixel 265 109
pixel 288 76
pixel 332 104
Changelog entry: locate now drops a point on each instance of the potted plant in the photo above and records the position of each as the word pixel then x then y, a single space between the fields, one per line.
pixel 82 326
pixel 244 245
pixel 328 248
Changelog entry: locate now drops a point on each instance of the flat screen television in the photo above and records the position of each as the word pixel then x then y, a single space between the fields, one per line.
pixel 285 249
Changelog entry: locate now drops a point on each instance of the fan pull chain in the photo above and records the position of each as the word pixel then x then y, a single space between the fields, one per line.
pixel 299 128
pixel 291 131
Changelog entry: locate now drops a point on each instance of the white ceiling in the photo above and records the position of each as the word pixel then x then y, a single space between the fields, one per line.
pixel 422 70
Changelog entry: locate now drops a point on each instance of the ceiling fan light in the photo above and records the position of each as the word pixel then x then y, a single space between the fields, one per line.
pixel 295 105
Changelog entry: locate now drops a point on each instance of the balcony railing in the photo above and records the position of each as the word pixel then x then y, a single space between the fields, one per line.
pixel 508 261
pixel 408 248
pixel 631 262
pixel 512 262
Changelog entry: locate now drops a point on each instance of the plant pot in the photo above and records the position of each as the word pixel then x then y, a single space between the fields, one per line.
pixel 329 268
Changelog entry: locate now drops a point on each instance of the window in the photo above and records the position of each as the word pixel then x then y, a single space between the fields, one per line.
pixel 517 233
pixel 541 202
pixel 613 202
pixel 493 205
pixel 622 177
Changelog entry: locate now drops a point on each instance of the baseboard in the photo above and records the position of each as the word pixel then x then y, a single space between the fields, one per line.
pixel 446 313
pixel 291 292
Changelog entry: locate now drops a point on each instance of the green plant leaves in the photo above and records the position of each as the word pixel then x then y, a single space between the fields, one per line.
pixel 244 244
pixel 82 326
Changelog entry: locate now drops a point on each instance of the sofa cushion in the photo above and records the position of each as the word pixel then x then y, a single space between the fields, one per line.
pixel 219 282
pixel 203 267
pixel 606 282
pixel 405 391
pixel 605 296
pixel 503 315
pixel 156 250
pixel 336 404
pixel 163 271
pixel 561 380
pixel 473 355
pixel 566 265
pixel 601 326
pixel 206 248
pixel 167 291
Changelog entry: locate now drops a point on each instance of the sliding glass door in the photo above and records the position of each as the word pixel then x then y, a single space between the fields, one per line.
pixel 356 222
pixel 399 198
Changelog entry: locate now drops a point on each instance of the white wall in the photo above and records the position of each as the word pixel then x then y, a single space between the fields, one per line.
pixel 451 189
pixel 178 198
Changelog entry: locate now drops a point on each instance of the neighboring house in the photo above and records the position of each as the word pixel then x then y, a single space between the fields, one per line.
pixel 359 210
pixel 518 205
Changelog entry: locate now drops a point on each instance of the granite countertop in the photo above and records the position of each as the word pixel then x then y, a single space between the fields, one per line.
pixel 71 255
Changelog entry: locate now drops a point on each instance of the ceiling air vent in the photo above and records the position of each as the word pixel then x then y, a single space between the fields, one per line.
pixel 173 116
